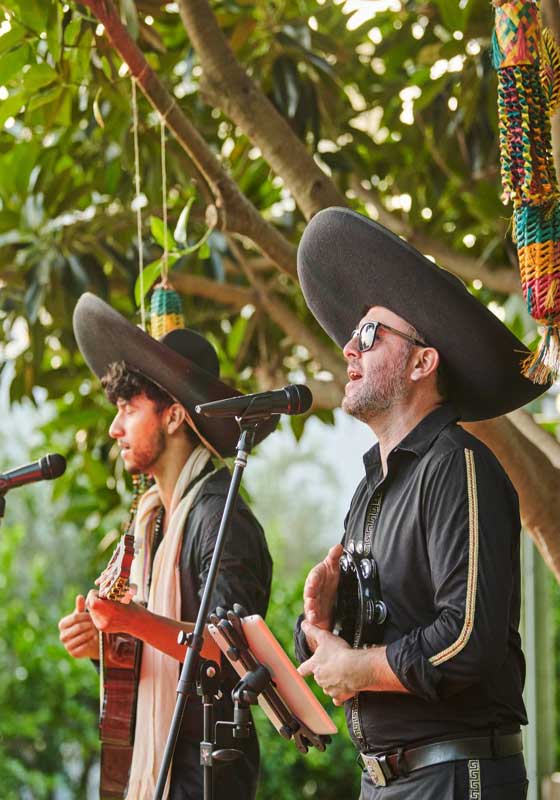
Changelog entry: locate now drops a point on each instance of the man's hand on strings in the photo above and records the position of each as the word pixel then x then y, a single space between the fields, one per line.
pixel 319 592
pixel 342 671
pixel 333 664
pixel 110 616
pixel 78 633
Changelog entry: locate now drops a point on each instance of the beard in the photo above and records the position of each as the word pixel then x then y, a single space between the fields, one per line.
pixel 143 457
pixel 379 389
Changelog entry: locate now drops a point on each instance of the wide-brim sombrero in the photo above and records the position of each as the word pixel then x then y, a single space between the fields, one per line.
pixel 182 363
pixel 347 262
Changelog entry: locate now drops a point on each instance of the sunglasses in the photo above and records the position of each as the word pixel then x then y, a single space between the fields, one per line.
pixel 368 333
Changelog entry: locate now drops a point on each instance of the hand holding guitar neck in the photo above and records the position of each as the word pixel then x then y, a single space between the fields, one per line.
pixel 114 581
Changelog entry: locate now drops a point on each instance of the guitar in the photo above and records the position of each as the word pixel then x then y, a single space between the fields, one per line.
pixel 119 658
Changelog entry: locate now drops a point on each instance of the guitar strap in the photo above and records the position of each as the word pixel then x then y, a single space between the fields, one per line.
pixel 372 515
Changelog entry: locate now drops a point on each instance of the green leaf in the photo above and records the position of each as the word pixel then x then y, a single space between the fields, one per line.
pixel 287 85
pixel 180 232
pixel 14 37
pixel 236 336
pixel 452 15
pixel 297 424
pixel 72 31
pixel 59 113
pixel 34 14
pixel 42 98
pixel 161 236
pixel 112 176
pixel 129 16
pixel 204 251
pixel 201 242
pixel 150 274
pixel 13 62
pixel 11 105
pixel 37 76
pixel 33 300
pixel 54 31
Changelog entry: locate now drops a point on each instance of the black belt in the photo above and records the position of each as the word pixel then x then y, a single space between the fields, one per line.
pixel 387 767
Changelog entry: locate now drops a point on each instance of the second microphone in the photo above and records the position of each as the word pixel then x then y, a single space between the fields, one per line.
pixel 293 399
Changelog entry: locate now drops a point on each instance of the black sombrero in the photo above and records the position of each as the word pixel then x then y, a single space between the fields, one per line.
pixel 182 363
pixel 347 261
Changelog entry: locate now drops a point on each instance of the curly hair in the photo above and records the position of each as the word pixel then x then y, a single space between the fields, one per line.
pixel 122 383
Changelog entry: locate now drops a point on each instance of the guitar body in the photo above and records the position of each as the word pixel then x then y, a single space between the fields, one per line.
pixel 120 666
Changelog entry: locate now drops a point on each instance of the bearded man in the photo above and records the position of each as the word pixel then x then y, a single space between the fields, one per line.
pixel 426 600
pixel 155 386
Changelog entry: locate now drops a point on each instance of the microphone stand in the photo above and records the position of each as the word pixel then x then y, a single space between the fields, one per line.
pixel 2 506
pixel 191 665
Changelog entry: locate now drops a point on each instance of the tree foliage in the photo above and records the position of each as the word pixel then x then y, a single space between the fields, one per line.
pixel 392 113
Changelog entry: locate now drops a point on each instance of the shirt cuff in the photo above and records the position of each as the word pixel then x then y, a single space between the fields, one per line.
pixel 301 647
pixel 413 669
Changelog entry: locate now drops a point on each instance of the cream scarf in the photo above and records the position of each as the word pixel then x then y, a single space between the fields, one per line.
pixel 159 673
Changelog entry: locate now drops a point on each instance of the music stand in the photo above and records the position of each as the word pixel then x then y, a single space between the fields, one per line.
pixel 269 678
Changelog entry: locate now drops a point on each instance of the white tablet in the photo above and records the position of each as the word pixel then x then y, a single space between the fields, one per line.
pixel 289 684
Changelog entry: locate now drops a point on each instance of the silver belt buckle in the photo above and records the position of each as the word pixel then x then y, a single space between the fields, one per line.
pixel 373 765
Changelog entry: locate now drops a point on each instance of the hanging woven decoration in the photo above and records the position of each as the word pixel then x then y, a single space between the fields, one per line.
pixel 527 60
pixel 166 311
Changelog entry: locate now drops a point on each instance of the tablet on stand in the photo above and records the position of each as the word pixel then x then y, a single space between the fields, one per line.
pixel 269 677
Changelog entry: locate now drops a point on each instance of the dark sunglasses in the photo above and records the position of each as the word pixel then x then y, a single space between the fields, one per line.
pixel 368 333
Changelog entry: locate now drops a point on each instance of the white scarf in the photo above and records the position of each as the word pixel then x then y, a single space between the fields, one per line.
pixel 159 672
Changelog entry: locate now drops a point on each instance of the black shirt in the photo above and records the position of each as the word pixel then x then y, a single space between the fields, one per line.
pixel 244 577
pixel 446 541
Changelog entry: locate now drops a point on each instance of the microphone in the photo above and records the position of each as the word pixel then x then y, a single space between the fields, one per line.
pixel 293 399
pixel 46 469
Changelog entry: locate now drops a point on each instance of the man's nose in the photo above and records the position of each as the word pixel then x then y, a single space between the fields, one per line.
pixel 350 349
pixel 115 429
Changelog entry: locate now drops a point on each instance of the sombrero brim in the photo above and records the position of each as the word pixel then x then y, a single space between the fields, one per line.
pixel 347 261
pixel 104 336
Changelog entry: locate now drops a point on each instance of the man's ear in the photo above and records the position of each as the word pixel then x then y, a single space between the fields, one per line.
pixel 425 363
pixel 176 416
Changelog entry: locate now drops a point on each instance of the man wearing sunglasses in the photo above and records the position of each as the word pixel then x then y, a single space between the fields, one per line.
pixel 423 594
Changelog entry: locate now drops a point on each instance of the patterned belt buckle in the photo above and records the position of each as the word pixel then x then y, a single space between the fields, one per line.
pixel 374 766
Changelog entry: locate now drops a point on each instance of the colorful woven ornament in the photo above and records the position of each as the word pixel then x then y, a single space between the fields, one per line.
pixel 166 311
pixel 528 63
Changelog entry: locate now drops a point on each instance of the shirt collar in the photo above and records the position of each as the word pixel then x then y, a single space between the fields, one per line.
pixel 417 441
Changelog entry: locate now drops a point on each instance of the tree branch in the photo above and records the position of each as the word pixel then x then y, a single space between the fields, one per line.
pixel 297 330
pixel 230 88
pixel 225 293
pixel 467 268
pixel 234 211
pixel 536 481
pixel 547 443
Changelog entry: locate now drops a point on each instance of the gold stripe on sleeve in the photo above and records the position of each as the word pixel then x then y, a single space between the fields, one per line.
pixel 470 602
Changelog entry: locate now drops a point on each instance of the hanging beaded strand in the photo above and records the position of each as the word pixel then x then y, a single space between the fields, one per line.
pixel 165 256
pixel 138 203
pixel 166 313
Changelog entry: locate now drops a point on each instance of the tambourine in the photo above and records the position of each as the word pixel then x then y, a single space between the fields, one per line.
pixel 360 612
